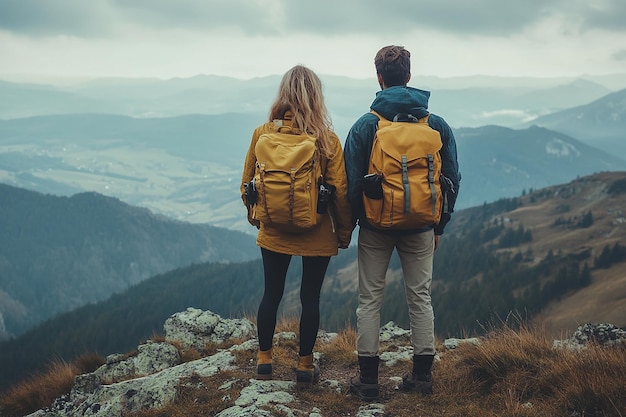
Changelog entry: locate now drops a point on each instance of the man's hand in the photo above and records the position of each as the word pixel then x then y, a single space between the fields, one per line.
pixel 436 241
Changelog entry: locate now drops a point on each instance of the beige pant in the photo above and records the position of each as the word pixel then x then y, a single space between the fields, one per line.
pixel 416 256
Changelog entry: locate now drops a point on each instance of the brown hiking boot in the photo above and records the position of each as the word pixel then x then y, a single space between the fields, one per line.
pixel 420 383
pixel 363 390
pixel 264 364
pixel 307 372
pixel 365 385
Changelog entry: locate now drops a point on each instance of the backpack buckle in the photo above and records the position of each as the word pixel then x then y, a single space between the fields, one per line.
pixel 405 117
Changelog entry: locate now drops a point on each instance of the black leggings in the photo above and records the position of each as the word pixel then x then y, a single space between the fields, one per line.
pixel 275 268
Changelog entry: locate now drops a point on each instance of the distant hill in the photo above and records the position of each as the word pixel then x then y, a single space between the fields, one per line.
pixel 566 246
pixel 186 167
pixel 211 138
pixel 464 101
pixel 498 162
pixel 601 123
pixel 60 253
pixel 554 255
pixel 511 105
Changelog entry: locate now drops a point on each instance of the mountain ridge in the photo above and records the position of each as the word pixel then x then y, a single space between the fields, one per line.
pixel 601 123
pixel 466 101
pixel 57 253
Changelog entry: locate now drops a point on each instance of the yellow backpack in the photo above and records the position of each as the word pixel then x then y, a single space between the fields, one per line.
pixel 287 178
pixel 402 189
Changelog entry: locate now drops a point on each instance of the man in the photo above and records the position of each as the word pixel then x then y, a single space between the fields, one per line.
pixel 415 247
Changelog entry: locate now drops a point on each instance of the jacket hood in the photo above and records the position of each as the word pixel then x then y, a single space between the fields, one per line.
pixel 394 100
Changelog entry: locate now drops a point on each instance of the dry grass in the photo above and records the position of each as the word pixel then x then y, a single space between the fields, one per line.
pixel 288 324
pixel 512 373
pixel 187 354
pixel 340 350
pixel 330 402
pixel 517 373
pixel 41 389
pixel 593 381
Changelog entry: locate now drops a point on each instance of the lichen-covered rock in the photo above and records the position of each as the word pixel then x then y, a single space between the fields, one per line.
pixel 403 353
pixel 391 331
pixel 152 391
pixel 604 334
pixel 151 357
pixel 261 394
pixel 453 343
pixel 371 410
pixel 195 328
pixel 325 337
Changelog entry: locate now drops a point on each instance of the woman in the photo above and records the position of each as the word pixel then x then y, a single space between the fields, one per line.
pixel 300 105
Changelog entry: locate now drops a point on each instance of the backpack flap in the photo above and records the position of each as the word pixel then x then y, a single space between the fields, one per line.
pixel 287 172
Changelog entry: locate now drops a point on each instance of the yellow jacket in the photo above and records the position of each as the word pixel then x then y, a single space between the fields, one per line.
pixel 336 227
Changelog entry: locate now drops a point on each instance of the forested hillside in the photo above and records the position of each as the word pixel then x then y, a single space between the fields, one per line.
pixel 528 255
pixel 115 325
pixel 59 253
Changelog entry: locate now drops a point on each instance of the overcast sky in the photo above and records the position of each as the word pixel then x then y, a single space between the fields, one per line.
pixel 252 38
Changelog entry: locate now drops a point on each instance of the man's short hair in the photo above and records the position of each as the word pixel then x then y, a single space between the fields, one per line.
pixel 393 63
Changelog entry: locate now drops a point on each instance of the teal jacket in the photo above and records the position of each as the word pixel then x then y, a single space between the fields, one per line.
pixel 388 103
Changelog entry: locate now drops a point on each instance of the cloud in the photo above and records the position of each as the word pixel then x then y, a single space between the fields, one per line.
pixel 521 115
pixel 479 17
pixel 498 18
pixel 492 17
pixel 249 16
pixel 620 55
pixel 56 17
pixel 248 38
pixel 103 18
pixel 604 14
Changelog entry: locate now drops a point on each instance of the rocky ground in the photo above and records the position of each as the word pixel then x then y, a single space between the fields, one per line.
pixel 210 357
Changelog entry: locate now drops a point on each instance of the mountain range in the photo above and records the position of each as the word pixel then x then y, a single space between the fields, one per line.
pixel 60 253
pixel 499 162
pixel 601 123
pixel 188 167
pixel 464 101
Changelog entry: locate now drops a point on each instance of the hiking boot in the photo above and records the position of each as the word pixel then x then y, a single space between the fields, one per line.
pixel 264 364
pixel 420 383
pixel 365 385
pixel 363 390
pixel 307 372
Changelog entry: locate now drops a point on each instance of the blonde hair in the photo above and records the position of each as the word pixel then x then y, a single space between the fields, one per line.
pixel 300 92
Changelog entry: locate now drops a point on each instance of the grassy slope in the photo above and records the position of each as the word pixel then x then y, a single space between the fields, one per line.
pixel 511 373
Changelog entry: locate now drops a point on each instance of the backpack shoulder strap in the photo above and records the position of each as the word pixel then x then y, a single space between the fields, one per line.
pixel 323 160
pixel 382 121
pixel 402 117
pixel 375 113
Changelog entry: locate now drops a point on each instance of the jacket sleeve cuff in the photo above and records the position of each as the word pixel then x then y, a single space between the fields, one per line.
pixel 445 218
